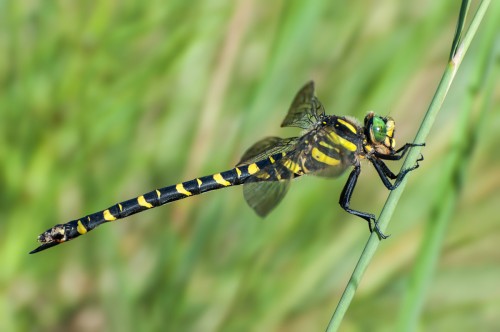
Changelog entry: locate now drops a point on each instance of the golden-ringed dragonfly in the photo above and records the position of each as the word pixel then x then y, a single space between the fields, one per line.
pixel 330 144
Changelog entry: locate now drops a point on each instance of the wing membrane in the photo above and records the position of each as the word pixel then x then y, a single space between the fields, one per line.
pixel 264 196
pixel 306 110
pixel 267 147
pixel 266 188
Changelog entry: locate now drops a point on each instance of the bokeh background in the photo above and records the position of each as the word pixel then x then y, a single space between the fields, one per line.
pixel 103 101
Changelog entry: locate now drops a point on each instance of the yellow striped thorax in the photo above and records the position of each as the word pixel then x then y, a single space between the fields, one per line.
pixel 327 149
pixel 343 133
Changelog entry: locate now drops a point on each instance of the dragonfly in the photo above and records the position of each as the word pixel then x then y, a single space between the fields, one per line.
pixel 329 145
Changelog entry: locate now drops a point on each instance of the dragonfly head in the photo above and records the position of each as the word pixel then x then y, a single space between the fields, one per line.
pixel 379 132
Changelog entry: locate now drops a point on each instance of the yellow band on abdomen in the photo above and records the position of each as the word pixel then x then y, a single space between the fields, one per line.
pixel 220 180
pixel 180 189
pixel 142 202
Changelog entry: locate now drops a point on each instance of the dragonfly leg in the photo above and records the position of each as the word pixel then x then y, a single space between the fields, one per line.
pixel 399 153
pixel 385 173
pixel 345 200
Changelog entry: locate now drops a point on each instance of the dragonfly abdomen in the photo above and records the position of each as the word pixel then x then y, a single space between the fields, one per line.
pixel 73 229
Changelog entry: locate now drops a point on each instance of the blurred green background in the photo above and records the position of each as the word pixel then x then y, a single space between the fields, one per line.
pixel 103 101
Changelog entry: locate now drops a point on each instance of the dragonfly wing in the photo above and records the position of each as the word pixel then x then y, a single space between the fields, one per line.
pixel 306 110
pixel 266 188
pixel 267 147
pixel 264 196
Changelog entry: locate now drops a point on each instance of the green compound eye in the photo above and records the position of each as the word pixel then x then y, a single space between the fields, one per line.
pixel 379 129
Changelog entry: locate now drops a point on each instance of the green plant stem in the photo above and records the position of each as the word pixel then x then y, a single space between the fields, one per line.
pixel 388 209
pixel 457 163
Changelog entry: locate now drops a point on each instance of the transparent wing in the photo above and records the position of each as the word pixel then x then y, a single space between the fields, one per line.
pixel 267 147
pixel 266 188
pixel 306 110
pixel 264 196
pixel 330 172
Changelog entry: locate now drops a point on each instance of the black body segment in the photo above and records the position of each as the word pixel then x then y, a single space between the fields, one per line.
pixel 329 145
pixel 154 198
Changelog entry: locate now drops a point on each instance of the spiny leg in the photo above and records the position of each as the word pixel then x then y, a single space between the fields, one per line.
pixel 385 173
pixel 345 200
pixel 399 153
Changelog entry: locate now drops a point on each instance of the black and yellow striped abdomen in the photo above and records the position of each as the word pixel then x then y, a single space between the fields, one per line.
pixel 75 228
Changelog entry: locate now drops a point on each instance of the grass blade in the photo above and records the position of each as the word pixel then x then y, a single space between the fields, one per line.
pixel 457 163
pixel 458 52
pixel 462 16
